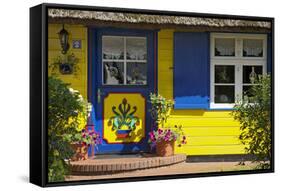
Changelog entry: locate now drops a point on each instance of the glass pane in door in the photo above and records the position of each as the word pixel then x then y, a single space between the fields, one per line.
pixel 136 73
pixel 136 48
pixel 113 73
pixel 113 47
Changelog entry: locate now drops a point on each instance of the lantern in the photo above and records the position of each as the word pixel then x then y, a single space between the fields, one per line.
pixel 63 36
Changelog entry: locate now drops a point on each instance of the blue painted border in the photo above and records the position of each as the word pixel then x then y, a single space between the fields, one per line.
pixel 269 53
pixel 91 90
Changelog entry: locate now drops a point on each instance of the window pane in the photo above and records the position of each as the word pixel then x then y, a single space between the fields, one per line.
pixel 224 47
pixel 113 47
pixel 136 73
pixel 224 74
pixel 224 94
pixel 252 48
pixel 136 48
pixel 247 91
pixel 251 72
pixel 113 73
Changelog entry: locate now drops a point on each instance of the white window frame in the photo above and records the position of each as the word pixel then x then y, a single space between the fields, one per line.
pixel 124 60
pixel 238 61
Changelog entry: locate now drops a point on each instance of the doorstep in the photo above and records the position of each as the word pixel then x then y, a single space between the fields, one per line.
pixel 120 164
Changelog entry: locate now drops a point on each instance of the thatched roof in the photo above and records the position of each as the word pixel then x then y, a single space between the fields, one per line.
pixel 154 19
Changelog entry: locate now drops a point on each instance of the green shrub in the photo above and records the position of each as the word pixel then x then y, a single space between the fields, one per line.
pixel 160 109
pixel 67 116
pixel 254 115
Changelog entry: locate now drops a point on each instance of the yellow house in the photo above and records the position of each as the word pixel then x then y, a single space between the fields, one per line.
pixel 202 63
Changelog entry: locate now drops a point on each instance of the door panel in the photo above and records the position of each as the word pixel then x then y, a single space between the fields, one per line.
pixel 124 118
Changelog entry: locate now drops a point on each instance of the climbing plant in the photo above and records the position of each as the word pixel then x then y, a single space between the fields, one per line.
pixel 160 109
pixel 254 115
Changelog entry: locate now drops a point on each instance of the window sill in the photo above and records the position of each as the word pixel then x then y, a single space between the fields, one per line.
pixel 214 106
pixel 221 109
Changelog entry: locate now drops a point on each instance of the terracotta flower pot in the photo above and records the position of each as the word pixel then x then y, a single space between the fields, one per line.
pixel 165 149
pixel 81 151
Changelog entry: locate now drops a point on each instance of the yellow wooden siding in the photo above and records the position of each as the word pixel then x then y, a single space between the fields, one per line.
pixel 76 32
pixel 208 132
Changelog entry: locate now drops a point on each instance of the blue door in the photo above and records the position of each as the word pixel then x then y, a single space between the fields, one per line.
pixel 123 74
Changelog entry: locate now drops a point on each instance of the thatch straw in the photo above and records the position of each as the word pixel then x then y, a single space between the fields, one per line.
pixel 135 18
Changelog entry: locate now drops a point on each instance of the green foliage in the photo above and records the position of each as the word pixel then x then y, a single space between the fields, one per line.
pixel 67 112
pixel 160 112
pixel 161 108
pixel 254 115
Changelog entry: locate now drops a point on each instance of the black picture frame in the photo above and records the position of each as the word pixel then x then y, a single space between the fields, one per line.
pixel 39 93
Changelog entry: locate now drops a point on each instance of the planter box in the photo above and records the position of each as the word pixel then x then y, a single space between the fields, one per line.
pixel 165 149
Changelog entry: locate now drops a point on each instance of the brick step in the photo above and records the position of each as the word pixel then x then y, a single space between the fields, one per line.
pixel 117 165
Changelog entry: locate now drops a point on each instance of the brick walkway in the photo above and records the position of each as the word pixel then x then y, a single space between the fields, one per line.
pixel 181 168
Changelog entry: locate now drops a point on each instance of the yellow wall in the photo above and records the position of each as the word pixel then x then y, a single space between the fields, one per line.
pixel 77 32
pixel 208 132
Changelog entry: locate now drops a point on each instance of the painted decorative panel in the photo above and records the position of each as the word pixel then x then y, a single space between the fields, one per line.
pixel 124 118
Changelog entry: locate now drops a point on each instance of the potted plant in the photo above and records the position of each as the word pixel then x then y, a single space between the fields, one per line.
pixel 82 141
pixel 164 138
pixel 84 136
pixel 67 64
